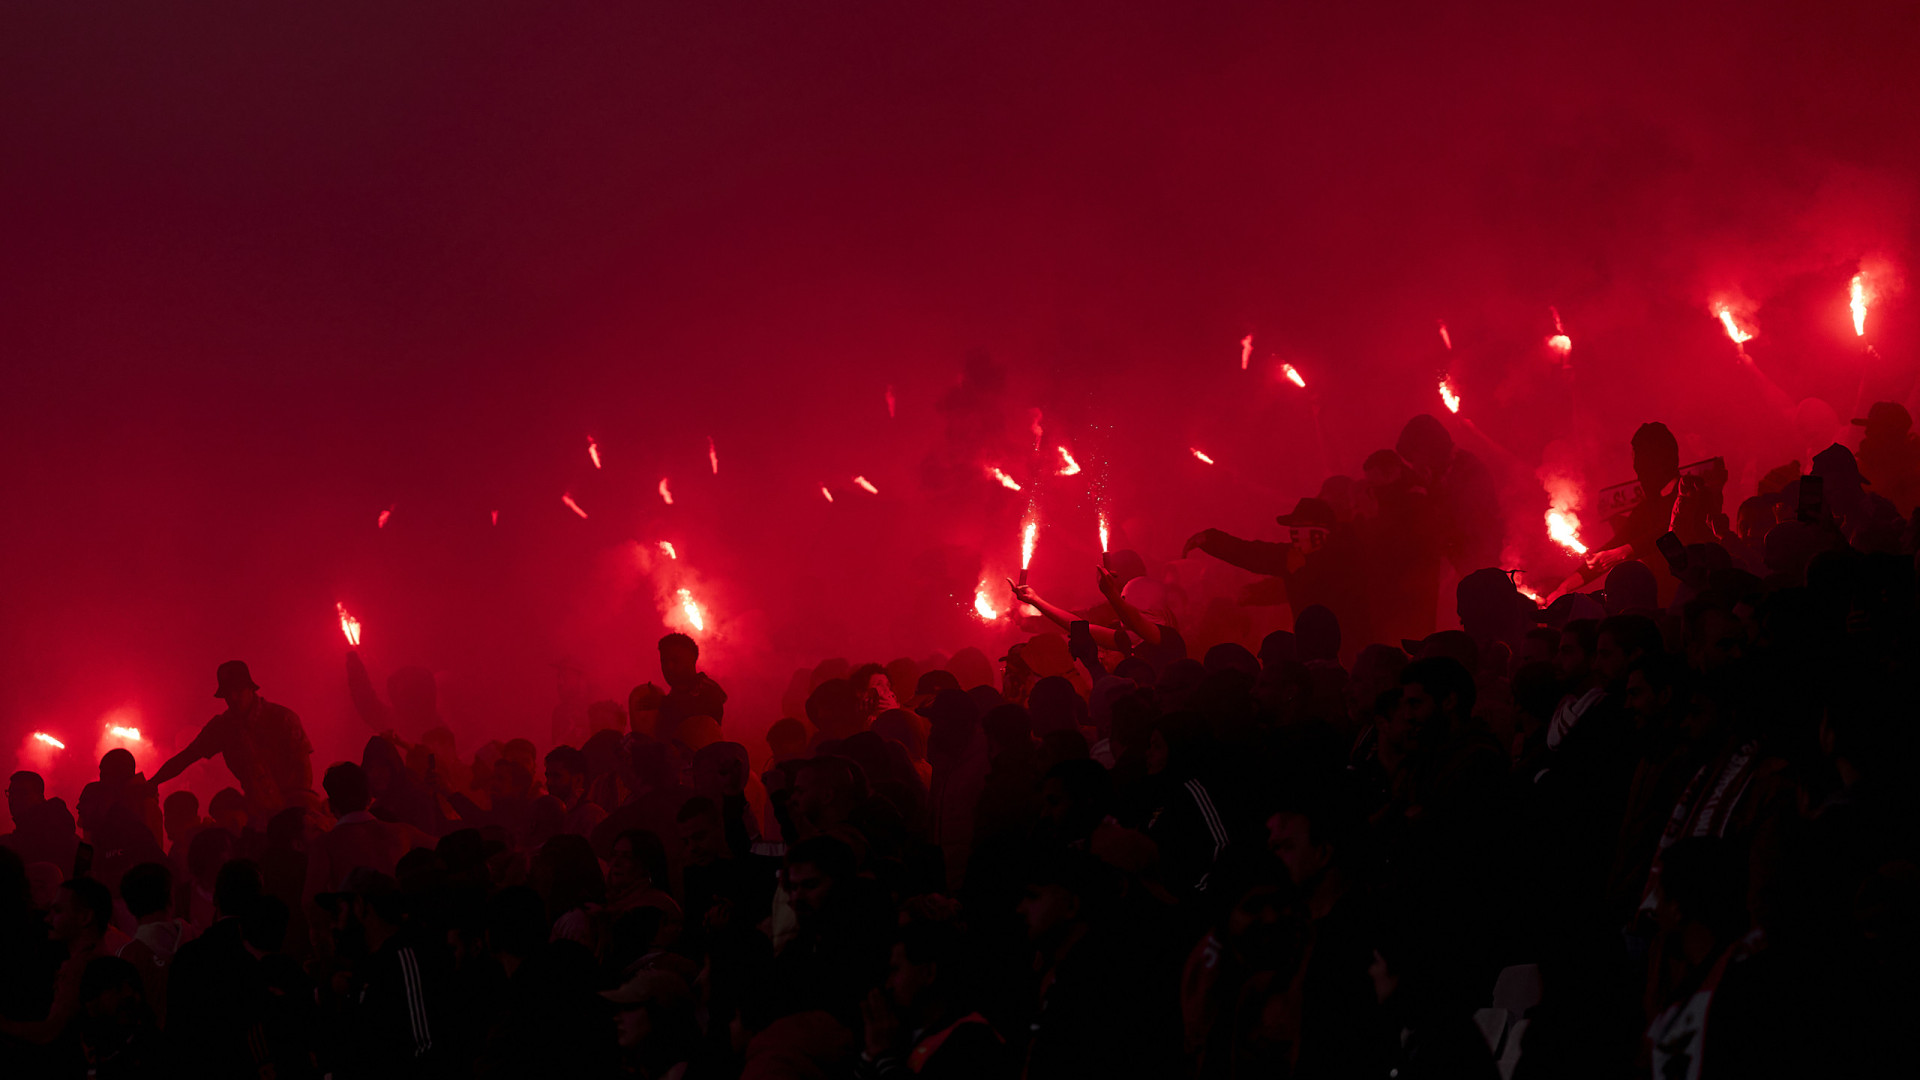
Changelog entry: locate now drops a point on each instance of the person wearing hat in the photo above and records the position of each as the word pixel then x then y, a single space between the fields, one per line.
pixel 1890 454
pixel 1319 563
pixel 263 744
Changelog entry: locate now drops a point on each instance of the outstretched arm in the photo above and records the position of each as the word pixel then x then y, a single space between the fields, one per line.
pixel 1026 594
pixel 1259 556
pixel 201 747
pixel 1144 628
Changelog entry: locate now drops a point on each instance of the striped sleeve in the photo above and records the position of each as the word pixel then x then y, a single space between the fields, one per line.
pixel 416 996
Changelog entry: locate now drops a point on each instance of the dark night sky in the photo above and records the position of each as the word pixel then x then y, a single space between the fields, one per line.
pixel 268 272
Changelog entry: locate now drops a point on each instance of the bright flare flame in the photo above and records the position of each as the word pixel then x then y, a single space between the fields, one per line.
pixel 41 736
pixel 1529 593
pixel 1103 534
pixel 666 493
pixel 866 485
pixel 1563 528
pixel 1006 481
pixel 384 516
pixel 1560 343
pixel 573 506
pixel 593 452
pixel 1198 453
pixel 713 456
pixel 1448 398
pixel 1293 376
pixel 1739 336
pixel 1027 537
pixel 1068 466
pixel 1246 351
pixel 983 604
pixel 131 734
pixel 666 548
pixel 824 491
pixel 349 626
pixel 1445 338
pixel 691 610
pixel 1857 300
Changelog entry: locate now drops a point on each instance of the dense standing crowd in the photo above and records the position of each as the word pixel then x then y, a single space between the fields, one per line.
pixel 1663 829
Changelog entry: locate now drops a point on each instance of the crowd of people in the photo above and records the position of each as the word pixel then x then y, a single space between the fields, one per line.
pixel 1656 829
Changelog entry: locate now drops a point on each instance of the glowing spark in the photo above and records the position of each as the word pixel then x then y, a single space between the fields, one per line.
pixel 349 626
pixel 1448 397
pixel 131 734
pixel 1027 537
pixel 1293 376
pixel 1857 300
pixel 1560 343
pixel 1563 528
pixel 384 516
pixel 824 491
pixel 573 506
pixel 983 604
pixel 42 736
pixel 666 548
pixel 1103 533
pixel 713 456
pixel 666 493
pixel 1068 466
pixel 593 451
pixel 1006 481
pixel 1037 433
pixel 691 610
pixel 1739 336
pixel 1246 351
pixel 867 485
pixel 1445 338
pixel 889 402
pixel 1201 455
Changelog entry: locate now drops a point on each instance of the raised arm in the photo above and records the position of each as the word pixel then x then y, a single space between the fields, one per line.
pixel 1144 628
pixel 1259 556
pixel 1027 594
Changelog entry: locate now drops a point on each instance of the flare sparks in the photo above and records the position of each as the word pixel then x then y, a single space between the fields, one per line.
pixel 349 626
pixel 866 485
pixel 1198 453
pixel 1006 481
pixel 1448 398
pixel 691 610
pixel 1857 300
pixel 575 507
pixel 1068 466
pixel 1293 375
pixel 666 493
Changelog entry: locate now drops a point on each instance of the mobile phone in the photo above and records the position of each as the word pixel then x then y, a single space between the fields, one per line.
pixel 82 859
pixel 1675 551
pixel 1813 495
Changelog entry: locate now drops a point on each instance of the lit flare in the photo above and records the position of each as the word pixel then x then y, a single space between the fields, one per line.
pixel 666 548
pixel 1563 528
pixel 666 493
pixel 1445 338
pixel 713 456
pixel 385 516
pixel 1068 466
pixel 1246 351
pixel 349 626
pixel 1448 398
pixel 866 485
pixel 983 604
pixel 131 734
pixel 1006 481
pixel 573 506
pixel 824 491
pixel 691 610
pixel 1857 300
pixel 1201 454
pixel 43 737
pixel 593 452
pixel 1738 335
pixel 1293 375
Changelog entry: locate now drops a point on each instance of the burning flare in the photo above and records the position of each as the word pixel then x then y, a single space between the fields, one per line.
pixel 713 456
pixel 131 734
pixel 384 516
pixel 824 491
pixel 666 548
pixel 1006 481
pixel 1246 351
pixel 666 493
pixel 1028 535
pixel 41 736
pixel 1448 398
pixel 1103 532
pixel 1445 338
pixel 1857 300
pixel 349 626
pixel 1293 376
pixel 691 610
pixel 1068 466
pixel 983 604
pixel 1739 336
pixel 866 485
pixel 575 507
pixel 1560 343
pixel 1197 452
pixel 1563 528
pixel 593 452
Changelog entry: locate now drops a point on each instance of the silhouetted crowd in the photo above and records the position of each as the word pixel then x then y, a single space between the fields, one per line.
pixel 1663 829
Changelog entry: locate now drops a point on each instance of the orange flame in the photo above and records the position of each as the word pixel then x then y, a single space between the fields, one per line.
pixel 1448 398
pixel 593 451
pixel 1857 300
pixel 1027 537
pixel 131 734
pixel 1563 528
pixel 1198 453
pixel 1006 481
pixel 824 491
pixel 666 493
pixel 691 610
pixel 666 548
pixel 1103 533
pixel 1445 338
pixel 1246 351
pixel 384 516
pixel 983 604
pixel 1068 466
pixel 349 626
pixel 573 506
pixel 1739 336
pixel 713 456
pixel 42 736
pixel 1293 376
pixel 866 485
pixel 889 401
